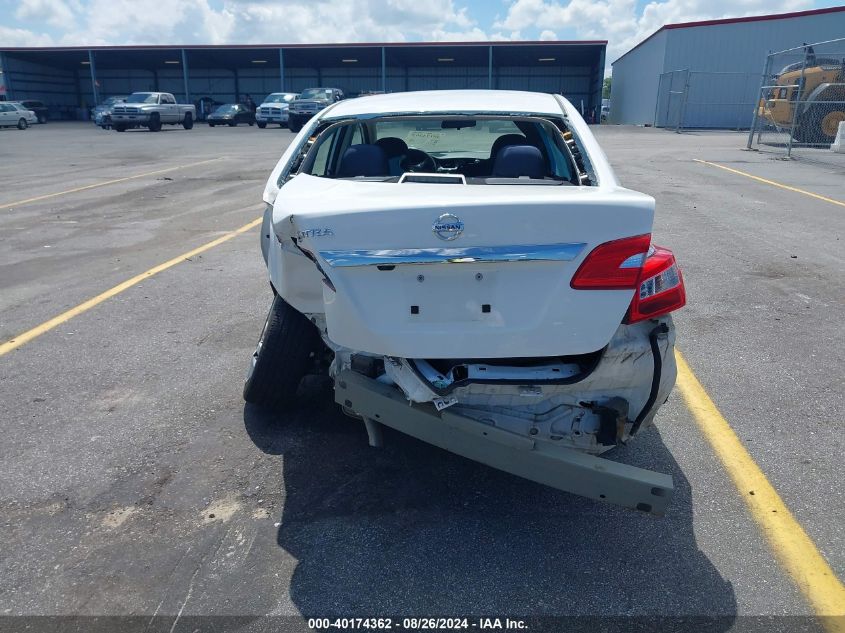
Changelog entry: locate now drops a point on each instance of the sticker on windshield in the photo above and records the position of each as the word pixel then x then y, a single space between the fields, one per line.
pixel 422 138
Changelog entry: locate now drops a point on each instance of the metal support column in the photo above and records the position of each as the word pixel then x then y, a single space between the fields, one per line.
pixel 185 75
pixel 5 81
pixel 490 68
pixel 599 89
pixel 683 107
pixel 282 69
pixel 237 86
pixel 383 70
pixel 93 68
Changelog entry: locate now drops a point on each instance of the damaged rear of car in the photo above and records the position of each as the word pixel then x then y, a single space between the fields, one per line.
pixel 476 277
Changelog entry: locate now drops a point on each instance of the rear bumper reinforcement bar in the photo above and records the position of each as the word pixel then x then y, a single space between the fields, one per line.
pixel 559 467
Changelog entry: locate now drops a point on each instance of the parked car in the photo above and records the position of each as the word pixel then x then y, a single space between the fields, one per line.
pixel 310 102
pixel 151 110
pixel 13 114
pixel 42 112
pixel 205 106
pixel 101 115
pixel 488 287
pixel 231 114
pixel 274 109
pixel 605 110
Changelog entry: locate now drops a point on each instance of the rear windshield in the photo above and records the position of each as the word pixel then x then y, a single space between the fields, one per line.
pixel 320 94
pixel 141 97
pixel 278 97
pixel 484 150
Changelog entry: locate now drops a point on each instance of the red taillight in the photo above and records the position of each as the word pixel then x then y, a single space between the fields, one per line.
pixel 613 265
pixel 633 263
pixel 661 288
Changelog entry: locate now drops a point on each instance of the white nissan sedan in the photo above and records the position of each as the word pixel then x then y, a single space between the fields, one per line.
pixel 467 268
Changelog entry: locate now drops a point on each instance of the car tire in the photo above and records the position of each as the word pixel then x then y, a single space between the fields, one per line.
pixel 119 128
pixel 282 357
pixel 42 118
pixel 188 121
pixel 261 126
pixel 155 122
pixel 251 123
pixel 22 124
pixel 294 126
pixel 233 123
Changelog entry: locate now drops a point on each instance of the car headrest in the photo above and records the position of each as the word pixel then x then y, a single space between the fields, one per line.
pixel 363 160
pixel 505 140
pixel 392 146
pixel 515 161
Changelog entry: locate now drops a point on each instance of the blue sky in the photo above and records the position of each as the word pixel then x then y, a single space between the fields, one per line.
pixel 622 22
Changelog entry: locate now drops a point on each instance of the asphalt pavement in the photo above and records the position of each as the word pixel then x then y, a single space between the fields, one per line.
pixel 135 481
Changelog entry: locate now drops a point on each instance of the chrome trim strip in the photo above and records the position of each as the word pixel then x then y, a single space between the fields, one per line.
pixel 468 255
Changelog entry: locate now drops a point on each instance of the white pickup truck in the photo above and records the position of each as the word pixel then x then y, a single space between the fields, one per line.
pixel 469 271
pixel 152 110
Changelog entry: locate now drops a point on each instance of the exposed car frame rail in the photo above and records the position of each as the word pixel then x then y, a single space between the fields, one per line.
pixel 559 467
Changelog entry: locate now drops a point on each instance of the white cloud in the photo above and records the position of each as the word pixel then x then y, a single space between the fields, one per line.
pixel 259 22
pixel 619 22
pixel 23 37
pixel 56 13
pixel 116 22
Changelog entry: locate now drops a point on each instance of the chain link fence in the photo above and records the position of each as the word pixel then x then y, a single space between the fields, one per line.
pixel 694 99
pixel 801 102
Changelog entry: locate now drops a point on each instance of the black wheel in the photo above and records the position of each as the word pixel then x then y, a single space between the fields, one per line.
pixel 233 123
pixel 261 125
pixel 251 123
pixel 294 125
pixel 282 357
pixel 119 128
pixel 42 118
pixel 210 124
pixel 155 122
pixel 188 121
pixel 819 124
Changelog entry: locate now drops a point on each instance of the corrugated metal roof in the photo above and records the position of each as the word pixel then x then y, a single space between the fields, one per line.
pixel 330 45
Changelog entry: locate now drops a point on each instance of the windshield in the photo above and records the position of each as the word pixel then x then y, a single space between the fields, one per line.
pixel 491 150
pixel 142 97
pixel 112 100
pixel 279 97
pixel 230 108
pixel 321 94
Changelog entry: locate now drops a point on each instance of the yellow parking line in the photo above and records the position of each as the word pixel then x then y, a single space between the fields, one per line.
pixel 37 331
pixel 795 551
pixel 103 184
pixel 772 182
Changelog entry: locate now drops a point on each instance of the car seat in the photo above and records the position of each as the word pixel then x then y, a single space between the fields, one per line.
pixel 363 160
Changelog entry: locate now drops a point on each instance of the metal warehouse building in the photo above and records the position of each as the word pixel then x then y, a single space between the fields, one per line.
pixel 707 74
pixel 70 80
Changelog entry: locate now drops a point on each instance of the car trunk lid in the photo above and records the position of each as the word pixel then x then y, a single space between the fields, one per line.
pixel 461 271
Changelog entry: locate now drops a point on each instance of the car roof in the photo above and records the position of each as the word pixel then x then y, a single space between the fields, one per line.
pixel 449 101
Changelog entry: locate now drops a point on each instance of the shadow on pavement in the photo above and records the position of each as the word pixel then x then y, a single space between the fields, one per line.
pixel 414 530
